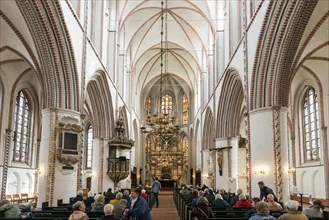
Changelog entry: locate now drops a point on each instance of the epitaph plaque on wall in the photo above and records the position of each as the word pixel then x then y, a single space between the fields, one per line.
pixel 69 130
pixel 69 142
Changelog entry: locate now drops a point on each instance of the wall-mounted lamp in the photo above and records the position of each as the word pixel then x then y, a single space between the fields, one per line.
pixel 260 172
pixel 210 176
pixel 291 170
pixel 37 172
pixel 232 179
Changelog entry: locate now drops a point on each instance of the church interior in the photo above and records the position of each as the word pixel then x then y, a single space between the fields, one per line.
pixel 103 93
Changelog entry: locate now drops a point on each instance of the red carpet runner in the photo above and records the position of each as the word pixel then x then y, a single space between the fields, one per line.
pixel 167 209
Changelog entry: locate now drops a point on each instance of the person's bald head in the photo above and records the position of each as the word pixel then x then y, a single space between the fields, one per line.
pixel 270 198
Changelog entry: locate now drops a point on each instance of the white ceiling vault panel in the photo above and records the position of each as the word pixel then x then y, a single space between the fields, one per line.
pixel 190 36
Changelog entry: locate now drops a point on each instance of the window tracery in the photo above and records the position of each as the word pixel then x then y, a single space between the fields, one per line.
pixel 311 127
pixel 22 128
pixel 89 147
pixel 166 104
pixel 185 109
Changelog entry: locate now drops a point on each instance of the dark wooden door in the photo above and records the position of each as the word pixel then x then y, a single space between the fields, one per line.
pixel 133 179
pixel 88 186
pixel 198 177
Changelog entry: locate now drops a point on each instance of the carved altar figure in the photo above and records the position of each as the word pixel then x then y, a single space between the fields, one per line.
pixel 220 162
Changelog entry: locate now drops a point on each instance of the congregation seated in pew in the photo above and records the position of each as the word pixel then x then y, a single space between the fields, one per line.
pixel 10 210
pixel 202 209
pixel 220 203
pixel 262 212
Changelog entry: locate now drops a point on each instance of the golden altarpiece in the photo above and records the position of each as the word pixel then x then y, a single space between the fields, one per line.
pixel 166 157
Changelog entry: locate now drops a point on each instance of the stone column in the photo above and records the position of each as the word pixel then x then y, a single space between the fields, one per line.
pixel 95 166
pixel 227 149
pixel 269 153
pixel 6 160
pixel 53 172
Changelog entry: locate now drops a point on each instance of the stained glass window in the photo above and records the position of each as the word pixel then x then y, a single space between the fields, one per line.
pixel 185 109
pixel 166 104
pixel 22 128
pixel 89 147
pixel 311 128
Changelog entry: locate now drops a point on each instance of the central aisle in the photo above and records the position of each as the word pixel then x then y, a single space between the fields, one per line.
pixel 167 209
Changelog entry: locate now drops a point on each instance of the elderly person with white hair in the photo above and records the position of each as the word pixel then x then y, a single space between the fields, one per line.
pixel 293 212
pixel 98 205
pixel 243 203
pixel 78 197
pixel 79 211
pixel 273 205
pixel 262 212
pixel 90 199
pixel 108 211
pixel 236 198
pixel 220 203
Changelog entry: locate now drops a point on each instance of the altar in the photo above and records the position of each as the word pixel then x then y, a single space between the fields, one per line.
pixel 168 183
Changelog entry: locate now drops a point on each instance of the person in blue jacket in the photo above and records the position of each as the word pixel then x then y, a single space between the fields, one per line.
pixel 155 189
pixel 137 208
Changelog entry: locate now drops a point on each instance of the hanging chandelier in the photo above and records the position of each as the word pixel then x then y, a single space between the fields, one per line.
pixel 161 125
pixel 163 154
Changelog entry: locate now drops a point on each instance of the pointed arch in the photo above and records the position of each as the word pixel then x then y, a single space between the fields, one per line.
pixel 208 130
pixel 230 106
pixel 282 31
pixel 54 46
pixel 99 99
pixel 30 183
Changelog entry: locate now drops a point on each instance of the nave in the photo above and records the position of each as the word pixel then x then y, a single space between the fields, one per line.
pixel 242 88
pixel 167 209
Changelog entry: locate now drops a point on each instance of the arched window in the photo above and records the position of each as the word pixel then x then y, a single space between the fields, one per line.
pixel 148 105
pixel 311 131
pixel 22 129
pixel 89 147
pixel 185 109
pixel 166 104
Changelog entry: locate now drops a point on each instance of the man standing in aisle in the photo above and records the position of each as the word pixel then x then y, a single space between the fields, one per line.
pixel 155 189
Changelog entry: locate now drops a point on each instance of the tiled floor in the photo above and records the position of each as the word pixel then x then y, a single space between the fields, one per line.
pixel 167 209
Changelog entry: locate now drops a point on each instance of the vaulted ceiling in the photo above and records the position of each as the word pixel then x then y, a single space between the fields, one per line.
pixel 190 29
